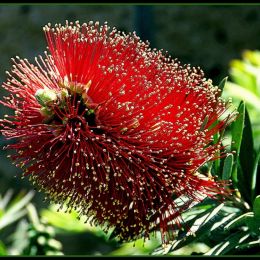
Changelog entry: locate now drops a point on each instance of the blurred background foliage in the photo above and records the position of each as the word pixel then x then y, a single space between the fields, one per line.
pixel 244 85
pixel 223 41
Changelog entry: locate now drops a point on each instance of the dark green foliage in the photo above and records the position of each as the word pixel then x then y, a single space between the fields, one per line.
pixel 201 35
pixel 41 241
pixel 233 227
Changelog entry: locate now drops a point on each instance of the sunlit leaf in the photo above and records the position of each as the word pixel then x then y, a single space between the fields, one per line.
pixel 19 204
pixel 8 219
pixel 226 246
pixel 70 222
pixel 64 221
pixel 243 74
pixel 6 199
pixel 237 133
pixel 241 220
pixel 252 56
pixel 137 247
pixel 223 221
pixel 199 227
pixel 15 210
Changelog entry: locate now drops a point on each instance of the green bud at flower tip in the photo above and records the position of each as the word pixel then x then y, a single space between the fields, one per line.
pixel 45 96
pixel 90 111
pixel 64 93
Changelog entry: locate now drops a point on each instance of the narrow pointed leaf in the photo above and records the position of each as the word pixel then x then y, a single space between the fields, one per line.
pixel 15 210
pixel 21 203
pixel 200 227
pixel 222 84
pixel 222 221
pixel 237 133
pixel 256 207
pixel 8 219
pixel 5 200
pixel 247 156
pixel 241 185
pixel 227 168
pixel 254 175
pixel 226 246
pixel 239 221
pixel 248 245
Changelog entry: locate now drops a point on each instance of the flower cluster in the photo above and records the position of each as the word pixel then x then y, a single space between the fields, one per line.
pixel 114 128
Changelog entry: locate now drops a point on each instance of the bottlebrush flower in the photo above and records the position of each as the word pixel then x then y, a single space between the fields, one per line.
pixel 115 129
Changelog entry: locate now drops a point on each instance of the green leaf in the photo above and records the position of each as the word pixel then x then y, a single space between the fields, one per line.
pixel 3 250
pixel 199 227
pixel 200 224
pixel 248 245
pixel 216 139
pixel 256 207
pixel 242 183
pixel 15 210
pixel 244 74
pixel 224 220
pixel 239 221
pixel 64 221
pixel 18 205
pixel 246 156
pixel 6 199
pixel 70 222
pixel 199 210
pixel 252 57
pixel 222 84
pixel 237 133
pixel 216 162
pixel 227 168
pixel 8 219
pixel 137 248
pixel 226 246
pixel 253 225
pixel 239 92
pixel 254 174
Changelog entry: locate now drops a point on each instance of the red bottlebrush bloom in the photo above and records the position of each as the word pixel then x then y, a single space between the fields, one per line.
pixel 114 128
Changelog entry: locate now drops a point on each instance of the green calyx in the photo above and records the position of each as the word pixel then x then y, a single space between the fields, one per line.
pixel 50 99
pixel 90 111
pixel 46 97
